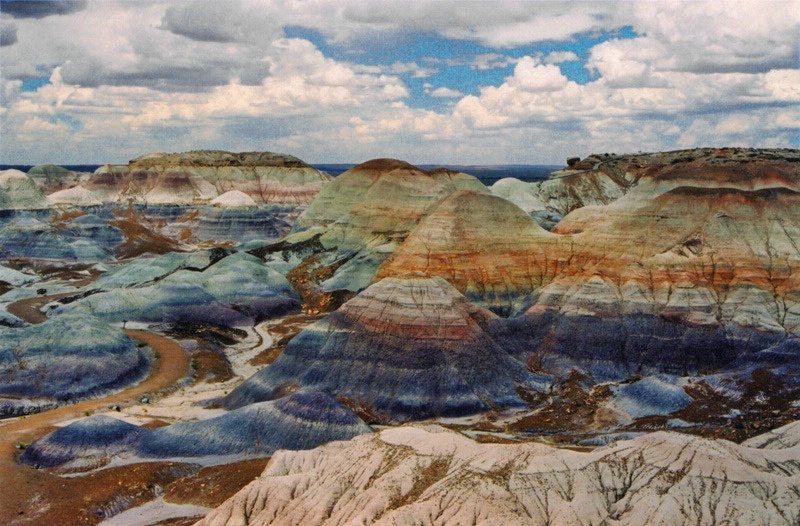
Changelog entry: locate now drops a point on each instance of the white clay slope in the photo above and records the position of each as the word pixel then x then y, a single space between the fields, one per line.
pixel 429 475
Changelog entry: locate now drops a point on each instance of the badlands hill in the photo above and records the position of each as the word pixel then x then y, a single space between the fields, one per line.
pixel 485 246
pixel 299 421
pixel 400 350
pixel 604 178
pixel 193 177
pixel 17 190
pixel 686 273
pixel 64 360
pixel 355 222
pixel 429 475
pixel 625 298
pixel 203 175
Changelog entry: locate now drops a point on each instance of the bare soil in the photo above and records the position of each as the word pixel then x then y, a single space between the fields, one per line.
pixel 31 496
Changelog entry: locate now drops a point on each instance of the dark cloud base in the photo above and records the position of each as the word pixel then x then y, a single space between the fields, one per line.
pixel 40 8
pixel 8 34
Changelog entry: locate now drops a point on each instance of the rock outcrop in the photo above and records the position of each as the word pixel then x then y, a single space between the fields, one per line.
pixel 604 178
pixel 400 350
pixel 411 475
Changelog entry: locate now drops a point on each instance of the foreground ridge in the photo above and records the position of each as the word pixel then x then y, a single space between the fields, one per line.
pixel 429 475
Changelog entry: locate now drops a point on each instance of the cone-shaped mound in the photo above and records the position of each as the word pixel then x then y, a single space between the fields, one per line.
pixel 66 358
pixel 233 198
pixel 485 246
pixel 77 195
pixel 17 190
pixel 400 350
pixel 355 222
pixel 379 200
pixel 95 436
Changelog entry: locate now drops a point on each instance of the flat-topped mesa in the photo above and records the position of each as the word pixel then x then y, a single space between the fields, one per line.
pixel 601 179
pixel 486 247
pixel 743 216
pixel 217 158
pixel 202 175
pixel 400 350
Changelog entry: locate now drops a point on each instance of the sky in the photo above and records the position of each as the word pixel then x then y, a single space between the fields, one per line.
pixel 428 81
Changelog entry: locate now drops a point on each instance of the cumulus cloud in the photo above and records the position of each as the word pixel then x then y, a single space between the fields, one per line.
pixel 557 57
pixel 443 92
pixel 221 22
pixel 40 8
pixel 206 21
pixel 497 24
pixel 720 37
pixel 629 63
pixel 529 75
pixel 398 68
pixel 128 77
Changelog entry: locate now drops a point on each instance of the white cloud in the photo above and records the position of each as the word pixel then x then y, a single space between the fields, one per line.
pixel 486 61
pixel 708 36
pixel 734 125
pixel 500 24
pixel 139 76
pixel 397 68
pixel 444 92
pixel 628 63
pixel 228 21
pixel 475 114
pixel 557 57
pixel 531 76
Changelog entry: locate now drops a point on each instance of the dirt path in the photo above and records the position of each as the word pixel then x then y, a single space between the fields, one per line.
pixel 22 488
pixel 28 309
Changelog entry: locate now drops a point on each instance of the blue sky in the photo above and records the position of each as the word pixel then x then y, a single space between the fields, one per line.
pixel 451 62
pixel 458 82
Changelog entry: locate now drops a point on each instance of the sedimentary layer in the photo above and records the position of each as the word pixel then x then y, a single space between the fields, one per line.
pixel 203 175
pixel 485 246
pixel 299 421
pixel 355 222
pixel 400 350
